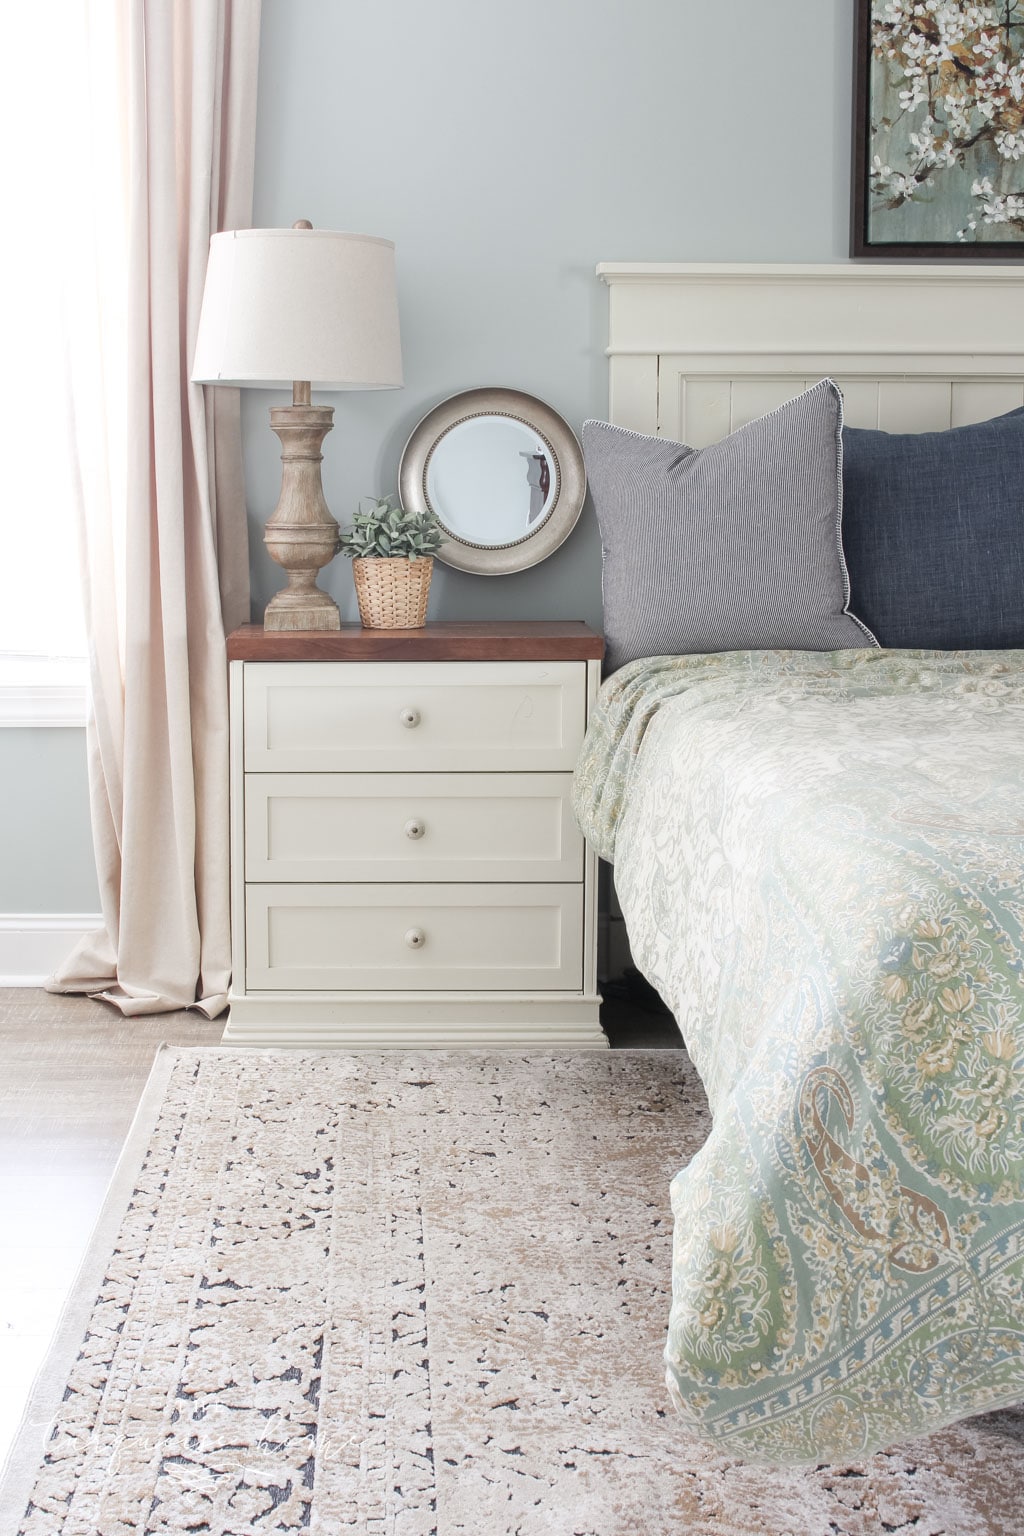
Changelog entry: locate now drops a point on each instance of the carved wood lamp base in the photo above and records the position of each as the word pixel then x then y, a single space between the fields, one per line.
pixel 301 536
pixel 291 610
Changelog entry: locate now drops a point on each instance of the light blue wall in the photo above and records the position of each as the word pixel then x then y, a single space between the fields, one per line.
pixel 46 863
pixel 506 148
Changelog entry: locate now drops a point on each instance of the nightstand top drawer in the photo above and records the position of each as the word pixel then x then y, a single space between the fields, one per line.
pixel 413 716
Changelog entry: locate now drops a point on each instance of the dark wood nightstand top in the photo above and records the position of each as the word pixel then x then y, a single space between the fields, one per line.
pixel 472 640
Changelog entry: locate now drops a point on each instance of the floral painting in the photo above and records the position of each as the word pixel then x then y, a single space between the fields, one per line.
pixel 939 129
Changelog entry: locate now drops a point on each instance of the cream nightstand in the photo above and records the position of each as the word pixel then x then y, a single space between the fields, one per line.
pixel 404 863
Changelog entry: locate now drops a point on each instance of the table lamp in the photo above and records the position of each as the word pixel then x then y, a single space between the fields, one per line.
pixel 314 309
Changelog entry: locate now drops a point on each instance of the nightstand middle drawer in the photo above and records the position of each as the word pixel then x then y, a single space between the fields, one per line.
pixel 402 826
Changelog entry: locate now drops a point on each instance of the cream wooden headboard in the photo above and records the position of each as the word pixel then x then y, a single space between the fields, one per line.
pixel 697 350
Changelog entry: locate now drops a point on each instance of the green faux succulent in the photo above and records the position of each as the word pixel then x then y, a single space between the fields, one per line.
pixel 387 531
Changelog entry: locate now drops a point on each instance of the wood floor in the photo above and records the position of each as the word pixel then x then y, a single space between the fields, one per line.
pixel 71 1075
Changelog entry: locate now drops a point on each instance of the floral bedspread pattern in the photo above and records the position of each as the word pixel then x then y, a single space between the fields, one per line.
pixel 820 859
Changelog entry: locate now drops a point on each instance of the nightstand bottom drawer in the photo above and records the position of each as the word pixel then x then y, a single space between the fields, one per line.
pixel 414 937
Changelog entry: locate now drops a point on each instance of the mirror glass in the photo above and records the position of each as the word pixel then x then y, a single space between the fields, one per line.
pixel 491 480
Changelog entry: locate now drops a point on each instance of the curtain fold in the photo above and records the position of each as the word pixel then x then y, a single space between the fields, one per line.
pixel 165 550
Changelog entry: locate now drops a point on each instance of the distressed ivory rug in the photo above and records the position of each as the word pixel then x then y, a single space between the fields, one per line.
pixel 410 1294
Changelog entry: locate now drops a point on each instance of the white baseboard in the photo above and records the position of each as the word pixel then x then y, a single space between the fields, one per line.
pixel 33 944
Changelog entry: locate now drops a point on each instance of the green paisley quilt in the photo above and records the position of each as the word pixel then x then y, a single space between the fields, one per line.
pixel 820 859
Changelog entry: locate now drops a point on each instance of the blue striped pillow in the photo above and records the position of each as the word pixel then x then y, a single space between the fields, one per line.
pixel 733 547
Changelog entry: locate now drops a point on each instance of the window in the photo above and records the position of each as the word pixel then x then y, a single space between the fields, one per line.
pixel 53 117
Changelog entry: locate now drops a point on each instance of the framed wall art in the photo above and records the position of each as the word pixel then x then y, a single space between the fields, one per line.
pixel 938 136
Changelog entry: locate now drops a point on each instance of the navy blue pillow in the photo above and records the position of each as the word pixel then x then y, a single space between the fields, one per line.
pixel 933 533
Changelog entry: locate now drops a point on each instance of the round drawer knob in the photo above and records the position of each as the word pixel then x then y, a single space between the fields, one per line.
pixel 415 938
pixel 414 828
pixel 410 718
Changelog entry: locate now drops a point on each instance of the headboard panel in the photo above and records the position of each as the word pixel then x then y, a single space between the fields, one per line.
pixel 695 351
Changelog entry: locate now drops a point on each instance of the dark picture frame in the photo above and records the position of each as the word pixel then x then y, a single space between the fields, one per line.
pixel 929 182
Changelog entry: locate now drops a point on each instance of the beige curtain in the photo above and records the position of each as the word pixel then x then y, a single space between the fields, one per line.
pixel 165 552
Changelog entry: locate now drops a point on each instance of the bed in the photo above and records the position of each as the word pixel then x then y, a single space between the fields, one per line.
pixel 819 856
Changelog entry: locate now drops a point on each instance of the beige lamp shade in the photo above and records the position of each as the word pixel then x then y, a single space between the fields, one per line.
pixel 310 304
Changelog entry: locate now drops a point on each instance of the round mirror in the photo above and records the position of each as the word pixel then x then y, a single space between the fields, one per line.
pixel 502 471
pixel 493 478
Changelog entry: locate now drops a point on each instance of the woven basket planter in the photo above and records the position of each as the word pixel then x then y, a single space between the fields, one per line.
pixel 393 593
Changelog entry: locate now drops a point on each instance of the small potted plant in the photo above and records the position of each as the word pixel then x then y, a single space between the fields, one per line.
pixel 392 553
